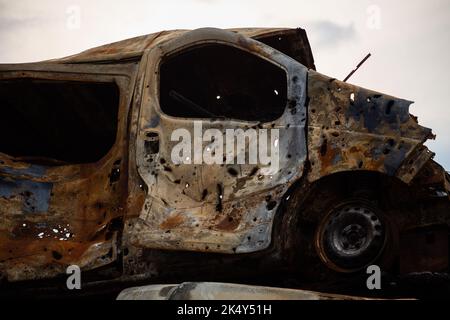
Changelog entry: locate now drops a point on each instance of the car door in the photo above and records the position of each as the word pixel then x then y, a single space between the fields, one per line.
pixel 63 166
pixel 221 138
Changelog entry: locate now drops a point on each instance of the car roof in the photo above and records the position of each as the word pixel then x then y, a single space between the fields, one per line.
pixel 134 48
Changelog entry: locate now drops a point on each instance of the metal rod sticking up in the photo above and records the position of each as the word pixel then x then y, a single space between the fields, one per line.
pixel 357 67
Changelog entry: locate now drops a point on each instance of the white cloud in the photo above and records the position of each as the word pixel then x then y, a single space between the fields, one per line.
pixel 332 35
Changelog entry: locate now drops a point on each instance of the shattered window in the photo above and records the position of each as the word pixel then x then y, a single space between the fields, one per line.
pixel 220 81
pixel 57 122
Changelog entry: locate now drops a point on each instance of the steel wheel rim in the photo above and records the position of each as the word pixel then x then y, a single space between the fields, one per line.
pixel 351 237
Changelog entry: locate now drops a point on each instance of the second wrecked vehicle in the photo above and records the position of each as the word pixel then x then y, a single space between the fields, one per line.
pixel 87 175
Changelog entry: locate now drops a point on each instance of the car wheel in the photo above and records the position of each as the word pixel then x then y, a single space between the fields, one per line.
pixel 351 236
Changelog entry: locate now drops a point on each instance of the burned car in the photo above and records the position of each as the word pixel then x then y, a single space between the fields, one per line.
pixel 87 175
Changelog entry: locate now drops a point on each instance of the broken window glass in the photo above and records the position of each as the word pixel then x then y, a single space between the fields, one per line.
pixel 220 81
pixel 57 122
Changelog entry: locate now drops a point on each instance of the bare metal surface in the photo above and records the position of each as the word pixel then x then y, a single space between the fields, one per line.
pixel 224 291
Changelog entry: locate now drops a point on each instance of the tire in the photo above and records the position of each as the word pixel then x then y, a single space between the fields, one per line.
pixel 351 236
pixel 341 230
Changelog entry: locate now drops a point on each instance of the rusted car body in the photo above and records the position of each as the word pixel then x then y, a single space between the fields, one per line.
pixel 86 177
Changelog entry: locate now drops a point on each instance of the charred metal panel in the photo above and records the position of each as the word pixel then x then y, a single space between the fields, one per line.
pixel 55 215
pixel 351 128
pixel 424 249
pixel 71 226
pixel 214 208
pixel 292 42
pixel 433 181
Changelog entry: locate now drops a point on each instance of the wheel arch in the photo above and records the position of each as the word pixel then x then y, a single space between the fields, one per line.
pixel 303 192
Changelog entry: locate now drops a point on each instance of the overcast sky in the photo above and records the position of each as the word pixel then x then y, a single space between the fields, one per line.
pixel 409 40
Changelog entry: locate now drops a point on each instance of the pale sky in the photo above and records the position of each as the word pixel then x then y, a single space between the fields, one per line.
pixel 409 40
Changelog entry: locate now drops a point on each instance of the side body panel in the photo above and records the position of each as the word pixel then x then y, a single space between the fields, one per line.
pixel 55 216
pixel 351 128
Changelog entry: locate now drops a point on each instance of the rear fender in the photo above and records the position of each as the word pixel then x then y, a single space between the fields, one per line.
pixel 352 128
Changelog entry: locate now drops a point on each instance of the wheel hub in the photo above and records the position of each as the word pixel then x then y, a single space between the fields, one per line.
pixel 353 237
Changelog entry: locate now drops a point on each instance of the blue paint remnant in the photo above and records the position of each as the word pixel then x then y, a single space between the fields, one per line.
pixel 33 171
pixel 337 159
pixel 394 159
pixel 154 122
pixel 379 112
pixel 35 195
